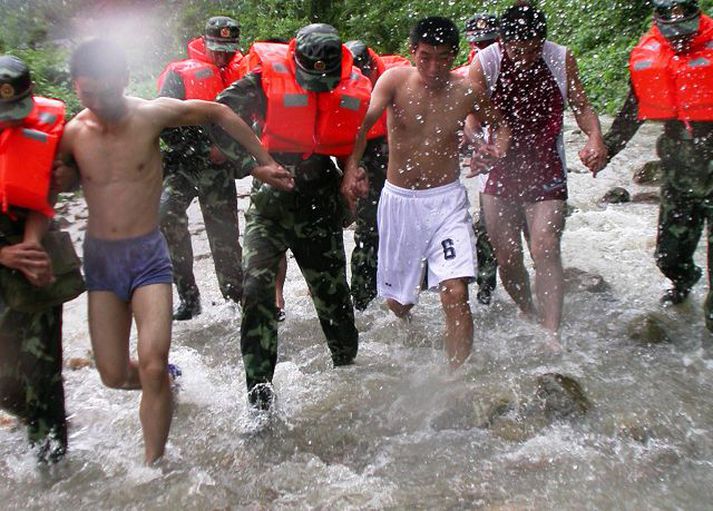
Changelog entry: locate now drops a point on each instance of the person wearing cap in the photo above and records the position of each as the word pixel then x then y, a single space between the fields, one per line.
pixel 31 384
pixel 309 100
pixel 530 80
pixel 671 71
pixel 114 144
pixel 481 30
pixel 193 167
pixel 424 224
pixel 374 161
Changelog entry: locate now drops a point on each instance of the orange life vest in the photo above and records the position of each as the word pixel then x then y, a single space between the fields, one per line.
pixel 674 86
pixel 301 121
pixel 201 78
pixel 379 128
pixel 26 156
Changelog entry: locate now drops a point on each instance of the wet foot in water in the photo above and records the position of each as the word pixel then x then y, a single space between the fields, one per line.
pixel 553 343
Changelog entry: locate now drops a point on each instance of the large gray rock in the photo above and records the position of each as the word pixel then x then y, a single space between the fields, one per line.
pixel 649 174
pixel 576 280
pixel 648 328
pixel 561 397
pixel 616 195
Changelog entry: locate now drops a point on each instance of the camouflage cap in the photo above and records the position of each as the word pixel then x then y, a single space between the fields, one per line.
pixel 15 89
pixel 362 59
pixel 318 55
pixel 677 18
pixel 222 34
pixel 481 27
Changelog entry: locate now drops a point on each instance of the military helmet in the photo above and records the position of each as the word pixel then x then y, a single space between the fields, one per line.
pixel 222 34
pixel 362 59
pixel 481 27
pixel 318 55
pixel 677 18
pixel 15 89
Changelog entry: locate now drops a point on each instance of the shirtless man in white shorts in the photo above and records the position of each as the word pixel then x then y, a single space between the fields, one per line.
pixel 423 218
pixel 114 143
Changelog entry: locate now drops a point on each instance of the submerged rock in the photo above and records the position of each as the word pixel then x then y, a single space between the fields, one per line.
pixel 646 198
pixel 648 328
pixel 561 397
pixel 76 363
pixel 649 174
pixel 467 413
pixel 576 280
pixel 616 195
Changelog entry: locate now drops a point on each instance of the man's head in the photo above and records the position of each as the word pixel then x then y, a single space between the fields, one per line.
pixel 15 90
pixel 221 38
pixel 362 58
pixel 523 30
pixel 434 44
pixel 100 74
pixel 677 20
pixel 481 30
pixel 318 57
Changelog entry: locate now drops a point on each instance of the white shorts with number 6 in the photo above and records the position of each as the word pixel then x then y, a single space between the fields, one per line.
pixel 423 231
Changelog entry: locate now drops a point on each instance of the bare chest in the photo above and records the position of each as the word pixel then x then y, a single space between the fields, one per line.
pixel 433 114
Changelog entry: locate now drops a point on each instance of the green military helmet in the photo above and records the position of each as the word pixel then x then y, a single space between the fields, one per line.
pixel 15 89
pixel 482 27
pixel 362 59
pixel 318 55
pixel 677 18
pixel 222 34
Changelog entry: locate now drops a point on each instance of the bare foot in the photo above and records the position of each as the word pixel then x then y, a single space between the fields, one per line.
pixel 553 343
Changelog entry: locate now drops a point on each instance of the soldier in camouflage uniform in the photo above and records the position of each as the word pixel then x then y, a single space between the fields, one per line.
pixel 366 235
pixel 31 384
pixel 304 215
pixel 686 152
pixel 194 168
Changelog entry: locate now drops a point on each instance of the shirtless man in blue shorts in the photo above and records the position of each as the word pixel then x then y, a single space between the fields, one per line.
pixel 114 143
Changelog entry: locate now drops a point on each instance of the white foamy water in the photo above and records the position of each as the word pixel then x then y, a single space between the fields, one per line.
pixel 397 430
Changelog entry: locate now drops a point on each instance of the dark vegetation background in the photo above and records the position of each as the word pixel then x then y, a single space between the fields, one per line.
pixel 600 33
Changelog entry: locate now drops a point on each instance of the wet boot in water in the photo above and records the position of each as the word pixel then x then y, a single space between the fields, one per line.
pixel 261 397
pixel 187 309
pixel 680 291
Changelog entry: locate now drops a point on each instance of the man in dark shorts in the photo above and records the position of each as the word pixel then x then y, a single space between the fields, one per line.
pixel 530 80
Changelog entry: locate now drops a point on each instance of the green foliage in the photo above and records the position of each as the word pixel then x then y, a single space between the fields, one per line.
pixel 600 34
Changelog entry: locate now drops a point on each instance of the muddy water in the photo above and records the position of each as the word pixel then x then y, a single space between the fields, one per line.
pixel 398 431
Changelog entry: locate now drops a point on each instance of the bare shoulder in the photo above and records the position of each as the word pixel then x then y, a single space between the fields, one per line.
pixel 397 74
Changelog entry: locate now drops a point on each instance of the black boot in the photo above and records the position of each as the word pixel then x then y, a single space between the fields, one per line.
pixel 261 397
pixel 187 309
pixel 484 295
pixel 675 296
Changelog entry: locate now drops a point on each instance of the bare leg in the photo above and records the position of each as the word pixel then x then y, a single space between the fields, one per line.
pixel 545 222
pixel 280 283
pixel 109 329
pixel 401 311
pixel 152 311
pixel 459 320
pixel 504 221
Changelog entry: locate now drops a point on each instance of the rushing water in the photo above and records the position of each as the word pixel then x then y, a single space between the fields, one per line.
pixel 397 430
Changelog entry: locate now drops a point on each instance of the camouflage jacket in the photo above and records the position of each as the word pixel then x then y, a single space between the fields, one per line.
pixel 186 148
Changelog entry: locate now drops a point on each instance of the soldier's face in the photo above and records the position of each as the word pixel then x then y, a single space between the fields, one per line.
pixel 433 62
pixel 104 97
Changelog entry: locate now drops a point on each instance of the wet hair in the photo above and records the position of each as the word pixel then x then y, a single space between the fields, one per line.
pixel 523 22
pixel 435 31
pixel 98 58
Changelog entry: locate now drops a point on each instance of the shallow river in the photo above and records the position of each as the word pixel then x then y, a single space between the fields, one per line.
pixel 397 430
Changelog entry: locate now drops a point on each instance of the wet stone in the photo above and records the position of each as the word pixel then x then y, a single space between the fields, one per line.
pixel 616 195
pixel 576 280
pixel 467 413
pixel 561 397
pixel 649 174
pixel 648 329
pixel 646 198
pixel 77 363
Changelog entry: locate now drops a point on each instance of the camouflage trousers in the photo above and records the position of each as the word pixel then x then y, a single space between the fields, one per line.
pixel 31 384
pixel 311 227
pixel 485 253
pixel 215 189
pixel 366 234
pixel 686 205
